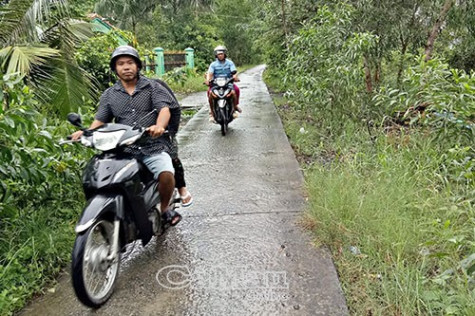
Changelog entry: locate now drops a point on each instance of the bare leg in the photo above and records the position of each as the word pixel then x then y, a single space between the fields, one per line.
pixel 211 110
pixel 166 185
pixel 235 105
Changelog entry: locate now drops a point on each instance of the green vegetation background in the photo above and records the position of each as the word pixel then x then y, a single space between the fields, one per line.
pixel 382 126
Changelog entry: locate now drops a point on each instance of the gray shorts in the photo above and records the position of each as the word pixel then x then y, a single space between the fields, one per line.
pixel 159 163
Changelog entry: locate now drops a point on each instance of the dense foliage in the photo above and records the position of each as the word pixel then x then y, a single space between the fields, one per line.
pixel 94 55
pixel 201 25
pixel 379 106
pixel 38 196
pixel 385 127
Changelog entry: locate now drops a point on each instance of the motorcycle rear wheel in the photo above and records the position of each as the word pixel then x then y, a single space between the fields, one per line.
pixel 93 275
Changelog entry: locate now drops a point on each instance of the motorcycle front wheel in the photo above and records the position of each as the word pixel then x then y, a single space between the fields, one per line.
pixel 224 129
pixel 224 123
pixel 93 275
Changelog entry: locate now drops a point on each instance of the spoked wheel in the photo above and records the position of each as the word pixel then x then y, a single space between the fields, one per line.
pixel 93 274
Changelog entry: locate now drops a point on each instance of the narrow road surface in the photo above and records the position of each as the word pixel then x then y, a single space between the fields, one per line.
pixel 239 249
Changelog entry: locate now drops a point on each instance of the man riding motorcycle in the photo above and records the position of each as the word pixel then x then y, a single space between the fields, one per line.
pixel 129 102
pixel 222 67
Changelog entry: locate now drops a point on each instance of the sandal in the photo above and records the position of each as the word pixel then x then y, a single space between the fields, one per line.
pixel 171 217
pixel 184 197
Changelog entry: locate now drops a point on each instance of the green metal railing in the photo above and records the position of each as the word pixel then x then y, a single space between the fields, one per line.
pixel 163 61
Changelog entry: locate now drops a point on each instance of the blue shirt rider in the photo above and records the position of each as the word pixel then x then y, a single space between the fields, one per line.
pixel 219 68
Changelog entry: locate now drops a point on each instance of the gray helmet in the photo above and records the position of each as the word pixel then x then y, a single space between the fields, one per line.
pixel 125 50
pixel 220 49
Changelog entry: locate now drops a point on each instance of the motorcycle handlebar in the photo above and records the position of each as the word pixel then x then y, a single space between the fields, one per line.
pixel 230 80
pixel 68 141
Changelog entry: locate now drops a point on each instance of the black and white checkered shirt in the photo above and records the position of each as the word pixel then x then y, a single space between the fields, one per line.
pixel 116 104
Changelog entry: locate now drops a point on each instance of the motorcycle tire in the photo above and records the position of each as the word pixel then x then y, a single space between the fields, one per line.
pixel 93 276
pixel 224 129
pixel 224 124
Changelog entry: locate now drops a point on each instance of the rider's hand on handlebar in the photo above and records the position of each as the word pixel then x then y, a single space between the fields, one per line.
pixel 76 135
pixel 207 82
pixel 155 130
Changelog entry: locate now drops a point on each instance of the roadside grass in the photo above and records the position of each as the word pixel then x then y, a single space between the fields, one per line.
pixel 34 247
pixel 402 239
pixel 192 84
pixel 392 234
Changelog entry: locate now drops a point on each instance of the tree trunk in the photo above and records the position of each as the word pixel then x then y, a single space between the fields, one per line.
pixel 405 41
pixel 435 29
pixel 367 71
pixel 377 73
pixel 284 22
pixel 403 56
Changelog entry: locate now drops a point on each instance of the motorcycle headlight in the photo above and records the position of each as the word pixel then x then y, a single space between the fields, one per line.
pixel 106 140
pixel 130 140
pixel 86 141
pixel 221 81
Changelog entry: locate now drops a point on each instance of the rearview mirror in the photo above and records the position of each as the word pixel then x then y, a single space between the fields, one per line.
pixel 75 119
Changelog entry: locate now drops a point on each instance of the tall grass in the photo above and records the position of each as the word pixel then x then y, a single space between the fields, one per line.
pixel 403 242
pixel 384 217
pixel 35 247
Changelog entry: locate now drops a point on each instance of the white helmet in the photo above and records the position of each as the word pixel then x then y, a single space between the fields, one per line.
pixel 220 49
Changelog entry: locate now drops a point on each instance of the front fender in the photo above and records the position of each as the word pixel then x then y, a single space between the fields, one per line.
pixel 97 206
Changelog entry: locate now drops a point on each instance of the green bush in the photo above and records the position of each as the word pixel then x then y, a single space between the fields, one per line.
pixel 94 55
pixel 39 194
pixel 323 74
pixel 443 101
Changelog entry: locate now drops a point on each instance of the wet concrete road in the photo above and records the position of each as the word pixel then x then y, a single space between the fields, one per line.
pixel 238 249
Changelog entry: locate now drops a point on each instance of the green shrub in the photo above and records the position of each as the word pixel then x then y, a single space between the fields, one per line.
pixel 323 74
pixel 39 194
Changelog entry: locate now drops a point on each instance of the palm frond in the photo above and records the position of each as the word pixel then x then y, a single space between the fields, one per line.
pixel 109 7
pixel 21 59
pixel 67 33
pixel 81 30
pixel 19 19
pixel 68 87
